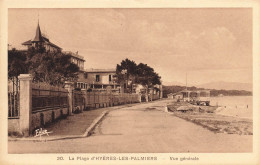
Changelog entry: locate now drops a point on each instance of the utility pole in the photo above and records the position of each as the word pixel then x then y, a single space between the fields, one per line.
pixel 186 80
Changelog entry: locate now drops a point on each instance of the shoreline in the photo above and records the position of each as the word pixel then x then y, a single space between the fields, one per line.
pixel 207 117
pixel 232 112
pixel 241 117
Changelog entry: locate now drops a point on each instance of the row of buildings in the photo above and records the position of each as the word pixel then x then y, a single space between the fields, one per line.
pixel 94 79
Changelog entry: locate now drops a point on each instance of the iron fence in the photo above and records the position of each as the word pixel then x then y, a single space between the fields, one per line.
pixel 13 98
pixel 45 98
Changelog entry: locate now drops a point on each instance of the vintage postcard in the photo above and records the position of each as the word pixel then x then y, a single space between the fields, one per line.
pixel 132 82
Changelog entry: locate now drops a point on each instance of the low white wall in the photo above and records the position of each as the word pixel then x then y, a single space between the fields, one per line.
pixel 14 126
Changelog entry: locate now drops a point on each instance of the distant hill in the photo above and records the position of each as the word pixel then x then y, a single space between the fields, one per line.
pixel 173 83
pixel 227 86
pixel 213 92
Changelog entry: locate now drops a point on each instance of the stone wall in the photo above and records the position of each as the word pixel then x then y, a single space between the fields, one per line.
pixel 41 118
pixel 49 103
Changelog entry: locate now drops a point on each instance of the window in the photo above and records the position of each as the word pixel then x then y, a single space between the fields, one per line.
pixel 110 78
pixel 86 75
pixel 97 78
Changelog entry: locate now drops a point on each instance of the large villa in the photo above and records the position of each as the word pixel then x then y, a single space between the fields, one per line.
pixel 95 79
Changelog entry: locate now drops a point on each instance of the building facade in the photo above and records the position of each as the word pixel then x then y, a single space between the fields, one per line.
pixel 94 79
pixel 76 59
pixel 41 41
pixel 98 80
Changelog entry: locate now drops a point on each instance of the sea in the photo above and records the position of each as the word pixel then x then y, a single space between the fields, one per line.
pixel 237 106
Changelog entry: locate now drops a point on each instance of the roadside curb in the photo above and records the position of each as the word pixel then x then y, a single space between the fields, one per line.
pixel 86 133
pixel 94 124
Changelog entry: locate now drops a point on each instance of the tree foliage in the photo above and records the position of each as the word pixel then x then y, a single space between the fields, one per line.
pixel 49 67
pixel 126 71
pixel 147 76
pixel 137 74
pixel 16 63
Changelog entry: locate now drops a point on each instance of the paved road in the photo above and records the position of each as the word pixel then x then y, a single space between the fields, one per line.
pixel 143 128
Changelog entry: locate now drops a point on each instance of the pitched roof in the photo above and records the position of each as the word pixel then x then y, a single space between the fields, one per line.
pixel 29 42
pixel 38 37
pixel 53 45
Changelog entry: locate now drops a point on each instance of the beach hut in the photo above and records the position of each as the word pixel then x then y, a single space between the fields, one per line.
pixel 170 96
pixel 198 97
pixel 178 96
pixel 185 94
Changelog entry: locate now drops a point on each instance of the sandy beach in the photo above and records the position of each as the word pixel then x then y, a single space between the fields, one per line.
pixel 216 119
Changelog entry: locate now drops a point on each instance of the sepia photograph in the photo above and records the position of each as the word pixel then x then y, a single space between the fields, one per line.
pixel 122 84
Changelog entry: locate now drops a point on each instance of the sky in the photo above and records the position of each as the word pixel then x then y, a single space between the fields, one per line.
pixel 209 44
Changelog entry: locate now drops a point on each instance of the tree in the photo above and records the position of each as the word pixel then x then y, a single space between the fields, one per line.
pixel 51 67
pixel 140 74
pixel 16 63
pixel 16 66
pixel 126 72
pixel 147 76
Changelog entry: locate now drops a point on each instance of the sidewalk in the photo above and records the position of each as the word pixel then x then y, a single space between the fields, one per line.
pixel 75 126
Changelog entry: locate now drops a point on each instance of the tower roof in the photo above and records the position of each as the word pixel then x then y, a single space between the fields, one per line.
pixel 38 37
